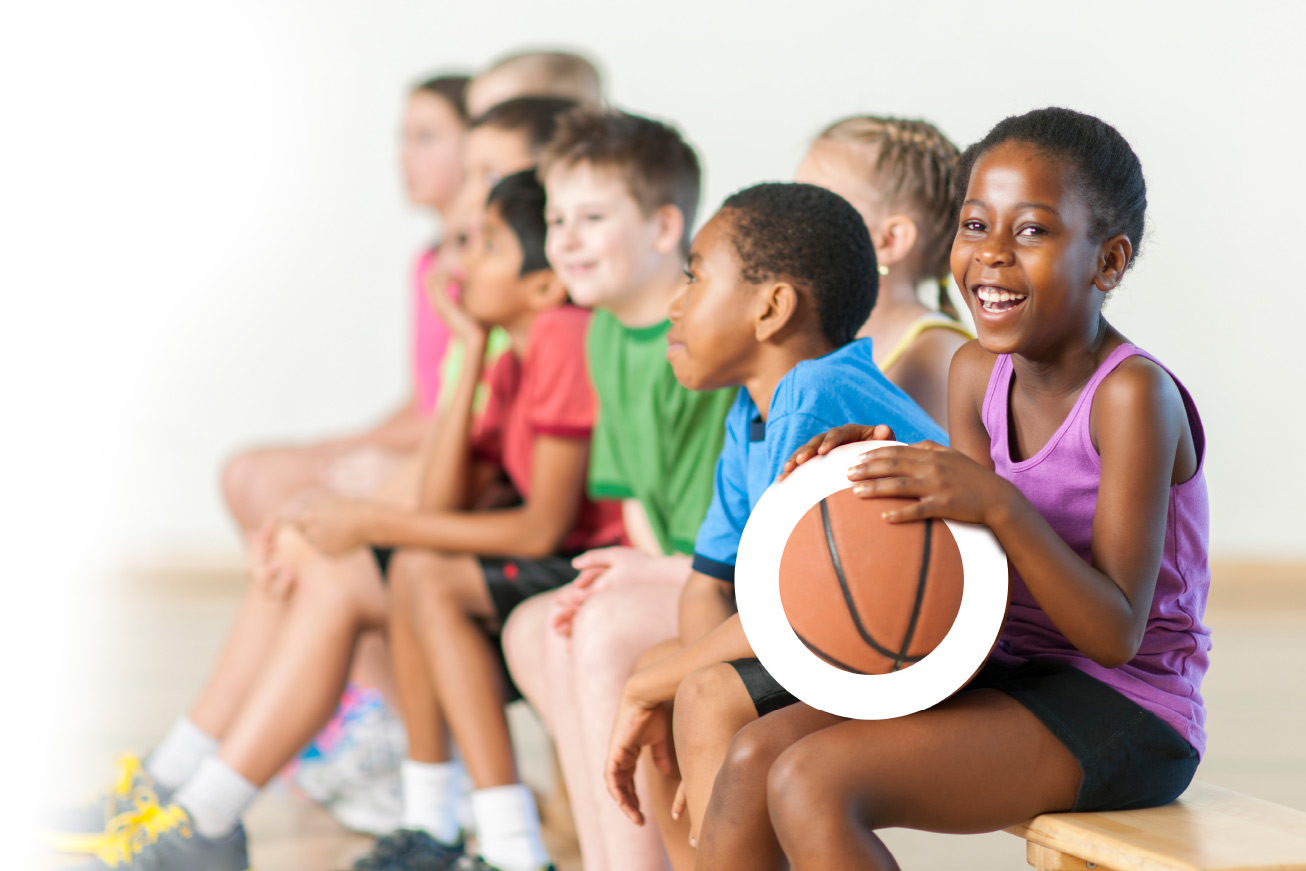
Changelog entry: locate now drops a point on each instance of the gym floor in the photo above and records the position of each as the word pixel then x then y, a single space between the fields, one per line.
pixel 1255 692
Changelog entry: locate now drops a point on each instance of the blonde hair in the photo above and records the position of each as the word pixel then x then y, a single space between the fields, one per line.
pixel 553 74
pixel 914 167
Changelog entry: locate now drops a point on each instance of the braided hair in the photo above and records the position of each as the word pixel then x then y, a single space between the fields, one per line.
pixel 914 165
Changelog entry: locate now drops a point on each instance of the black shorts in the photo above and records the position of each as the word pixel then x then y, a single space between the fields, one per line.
pixel 764 690
pixel 510 581
pixel 1129 756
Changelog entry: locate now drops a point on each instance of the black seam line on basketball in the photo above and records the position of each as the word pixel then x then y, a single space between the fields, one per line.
pixel 848 596
pixel 827 657
pixel 920 596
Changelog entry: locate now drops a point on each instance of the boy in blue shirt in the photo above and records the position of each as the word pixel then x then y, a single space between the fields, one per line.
pixel 778 283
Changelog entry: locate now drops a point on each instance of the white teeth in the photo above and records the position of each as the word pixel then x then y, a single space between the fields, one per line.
pixel 993 294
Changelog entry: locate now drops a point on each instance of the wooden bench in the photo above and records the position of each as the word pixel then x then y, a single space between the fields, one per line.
pixel 1208 829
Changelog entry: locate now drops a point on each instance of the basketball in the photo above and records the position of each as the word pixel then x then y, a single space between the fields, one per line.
pixel 865 595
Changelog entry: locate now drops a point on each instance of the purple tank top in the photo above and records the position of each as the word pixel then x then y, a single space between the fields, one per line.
pixel 1061 481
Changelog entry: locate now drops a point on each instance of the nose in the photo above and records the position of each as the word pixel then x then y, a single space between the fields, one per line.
pixel 565 235
pixel 994 251
pixel 677 305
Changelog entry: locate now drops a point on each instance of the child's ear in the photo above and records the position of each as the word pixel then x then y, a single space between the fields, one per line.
pixel 1112 261
pixel 547 290
pixel 893 239
pixel 776 306
pixel 671 228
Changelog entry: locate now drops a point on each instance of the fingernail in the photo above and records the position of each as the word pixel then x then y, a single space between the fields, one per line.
pixel 890 515
pixel 861 489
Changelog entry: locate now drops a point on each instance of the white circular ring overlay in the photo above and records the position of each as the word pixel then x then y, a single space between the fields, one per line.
pixel 816 682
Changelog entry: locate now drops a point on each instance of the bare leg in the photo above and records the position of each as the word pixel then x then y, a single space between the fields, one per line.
pixel 300 682
pixel 977 762
pixel 428 736
pixel 712 705
pixel 258 482
pixel 527 646
pixel 257 625
pixel 736 831
pixel 449 606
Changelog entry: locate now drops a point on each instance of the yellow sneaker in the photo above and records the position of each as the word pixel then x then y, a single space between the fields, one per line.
pixel 82 828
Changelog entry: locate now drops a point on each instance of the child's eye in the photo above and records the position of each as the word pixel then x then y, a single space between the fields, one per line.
pixel 594 216
pixel 973 226
pixel 689 277
pixel 1031 230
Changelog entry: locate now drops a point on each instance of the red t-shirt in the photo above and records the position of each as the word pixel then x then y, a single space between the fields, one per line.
pixel 546 392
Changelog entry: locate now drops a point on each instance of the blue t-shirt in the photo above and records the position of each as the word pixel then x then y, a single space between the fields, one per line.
pixel 844 386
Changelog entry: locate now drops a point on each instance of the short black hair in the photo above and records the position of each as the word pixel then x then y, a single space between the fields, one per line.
pixel 1104 166
pixel 814 238
pixel 537 117
pixel 520 200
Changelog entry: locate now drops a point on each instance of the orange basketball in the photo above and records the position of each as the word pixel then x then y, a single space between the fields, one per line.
pixel 865 595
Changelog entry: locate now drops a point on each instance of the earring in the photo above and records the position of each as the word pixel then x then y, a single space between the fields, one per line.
pixel 882 269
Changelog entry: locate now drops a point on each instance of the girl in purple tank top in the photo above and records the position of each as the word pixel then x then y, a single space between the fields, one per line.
pixel 1084 456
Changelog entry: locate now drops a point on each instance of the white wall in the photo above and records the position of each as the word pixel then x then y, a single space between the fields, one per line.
pixel 211 247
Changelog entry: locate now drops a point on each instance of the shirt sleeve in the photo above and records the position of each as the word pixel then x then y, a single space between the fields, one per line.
pixel 789 432
pixel 717 545
pixel 560 395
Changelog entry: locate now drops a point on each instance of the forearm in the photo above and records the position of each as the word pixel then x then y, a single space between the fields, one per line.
pixel 705 603
pixel 639 531
pixel 658 682
pixel 1086 605
pixel 447 460
pixel 516 532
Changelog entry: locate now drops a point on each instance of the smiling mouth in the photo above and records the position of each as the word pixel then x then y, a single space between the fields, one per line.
pixel 997 300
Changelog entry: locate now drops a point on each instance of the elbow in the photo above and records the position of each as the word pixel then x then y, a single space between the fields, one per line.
pixel 1115 652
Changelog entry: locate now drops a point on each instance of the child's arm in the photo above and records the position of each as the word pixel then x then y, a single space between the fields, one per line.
pixel 705 603
pixel 1140 427
pixel 639 531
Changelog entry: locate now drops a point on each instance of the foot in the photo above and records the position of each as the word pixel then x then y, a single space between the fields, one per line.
pixel 411 850
pixel 164 839
pixel 83 828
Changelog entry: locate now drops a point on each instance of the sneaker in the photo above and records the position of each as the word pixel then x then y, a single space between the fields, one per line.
pixel 478 863
pixel 82 828
pixel 164 839
pixel 352 766
pixel 411 850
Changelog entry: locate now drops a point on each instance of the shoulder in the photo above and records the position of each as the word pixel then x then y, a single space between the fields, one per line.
pixel 1138 386
pixel 564 326
pixel 932 351
pixel 972 367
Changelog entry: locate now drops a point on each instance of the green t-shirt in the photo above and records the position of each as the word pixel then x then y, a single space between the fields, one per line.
pixel 654 440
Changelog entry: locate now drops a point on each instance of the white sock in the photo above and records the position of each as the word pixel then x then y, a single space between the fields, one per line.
pixel 215 798
pixel 508 828
pixel 180 753
pixel 431 798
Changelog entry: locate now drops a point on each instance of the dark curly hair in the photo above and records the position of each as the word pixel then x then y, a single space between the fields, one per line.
pixel 1105 169
pixel 814 238
pixel 520 200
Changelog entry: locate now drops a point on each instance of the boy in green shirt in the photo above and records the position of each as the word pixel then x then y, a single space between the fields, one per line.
pixel 622 192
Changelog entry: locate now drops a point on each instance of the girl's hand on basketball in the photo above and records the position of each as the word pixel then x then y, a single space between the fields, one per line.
pixel 637 726
pixel 828 441
pixel 333 525
pixel 946 483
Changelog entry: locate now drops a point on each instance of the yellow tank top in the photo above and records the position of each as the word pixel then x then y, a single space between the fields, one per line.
pixel 927 321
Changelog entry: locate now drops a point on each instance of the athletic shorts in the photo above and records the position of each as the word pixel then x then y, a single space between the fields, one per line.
pixel 510 581
pixel 1129 756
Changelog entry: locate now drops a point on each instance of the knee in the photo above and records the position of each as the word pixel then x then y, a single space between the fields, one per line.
pixel 803 792
pixel 699 713
pixel 600 631
pixel 238 475
pixel 524 633
pixel 415 579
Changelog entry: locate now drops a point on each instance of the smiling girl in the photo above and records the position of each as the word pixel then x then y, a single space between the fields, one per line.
pixel 1084 456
